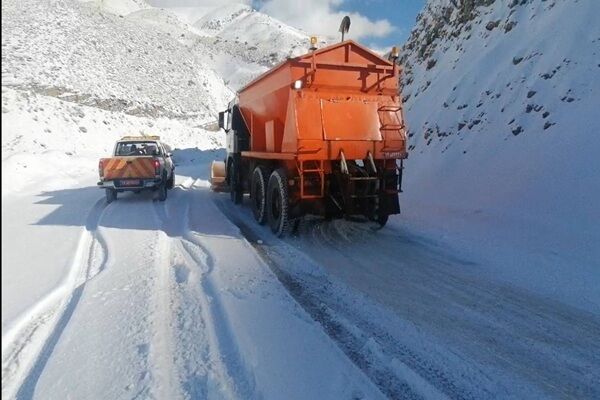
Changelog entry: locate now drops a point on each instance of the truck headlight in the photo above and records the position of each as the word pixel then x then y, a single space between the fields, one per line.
pixel 298 84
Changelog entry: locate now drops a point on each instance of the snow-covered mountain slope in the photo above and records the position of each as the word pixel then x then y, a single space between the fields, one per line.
pixel 76 75
pixel 240 42
pixel 119 7
pixel 500 65
pixel 240 23
pixel 501 103
pixel 108 61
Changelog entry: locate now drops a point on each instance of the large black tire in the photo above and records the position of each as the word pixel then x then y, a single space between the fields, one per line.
pixel 111 195
pixel 162 190
pixel 171 181
pixel 295 230
pixel 258 193
pixel 235 189
pixel 382 220
pixel 278 203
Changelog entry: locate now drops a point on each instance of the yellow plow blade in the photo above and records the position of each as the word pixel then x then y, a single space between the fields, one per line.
pixel 217 177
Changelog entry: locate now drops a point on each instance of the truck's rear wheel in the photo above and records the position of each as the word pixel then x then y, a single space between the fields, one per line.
pixel 278 203
pixel 382 220
pixel 111 195
pixel 171 182
pixel 258 194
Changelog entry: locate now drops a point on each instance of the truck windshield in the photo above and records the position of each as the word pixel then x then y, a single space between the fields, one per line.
pixel 137 149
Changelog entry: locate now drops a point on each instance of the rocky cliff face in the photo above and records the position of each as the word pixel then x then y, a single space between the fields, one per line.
pixel 501 101
pixel 513 65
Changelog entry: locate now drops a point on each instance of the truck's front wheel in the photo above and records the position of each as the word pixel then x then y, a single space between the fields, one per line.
pixel 258 194
pixel 111 195
pixel 278 203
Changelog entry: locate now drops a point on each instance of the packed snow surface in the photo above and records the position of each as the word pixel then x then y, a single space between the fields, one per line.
pixel 485 286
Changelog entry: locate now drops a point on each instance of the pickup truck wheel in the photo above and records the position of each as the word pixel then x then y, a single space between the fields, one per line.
pixel 162 191
pixel 111 195
pixel 278 210
pixel 171 182
pixel 258 194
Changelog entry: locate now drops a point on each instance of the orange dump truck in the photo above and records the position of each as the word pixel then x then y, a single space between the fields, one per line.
pixel 321 134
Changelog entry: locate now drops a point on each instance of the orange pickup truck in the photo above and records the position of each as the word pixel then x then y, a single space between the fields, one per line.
pixel 138 163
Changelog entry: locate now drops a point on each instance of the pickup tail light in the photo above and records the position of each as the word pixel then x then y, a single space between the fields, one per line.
pixel 156 167
pixel 101 167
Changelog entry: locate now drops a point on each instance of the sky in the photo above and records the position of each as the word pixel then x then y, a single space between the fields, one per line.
pixel 400 13
pixel 379 24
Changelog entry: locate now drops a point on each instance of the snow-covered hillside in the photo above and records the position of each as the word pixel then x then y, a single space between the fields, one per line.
pixel 240 42
pixel 77 74
pixel 501 101
pixel 67 48
pixel 127 56
pixel 257 31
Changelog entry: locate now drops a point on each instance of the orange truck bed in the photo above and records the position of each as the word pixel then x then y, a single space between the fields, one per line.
pixel 346 99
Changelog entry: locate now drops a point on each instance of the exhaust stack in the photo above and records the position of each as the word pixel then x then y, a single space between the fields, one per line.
pixel 345 26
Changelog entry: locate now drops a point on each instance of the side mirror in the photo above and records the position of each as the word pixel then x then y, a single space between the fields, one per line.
pixel 169 155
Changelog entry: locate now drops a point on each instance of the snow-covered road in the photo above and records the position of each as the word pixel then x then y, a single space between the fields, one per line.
pixel 421 321
pixel 168 300
pixel 190 298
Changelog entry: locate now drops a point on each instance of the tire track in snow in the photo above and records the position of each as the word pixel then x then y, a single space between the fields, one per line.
pixel 517 332
pixel 223 345
pixel 192 351
pixel 162 349
pixel 219 372
pixel 397 380
pixel 29 343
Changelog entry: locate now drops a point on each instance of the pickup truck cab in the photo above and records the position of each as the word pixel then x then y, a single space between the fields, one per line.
pixel 138 163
